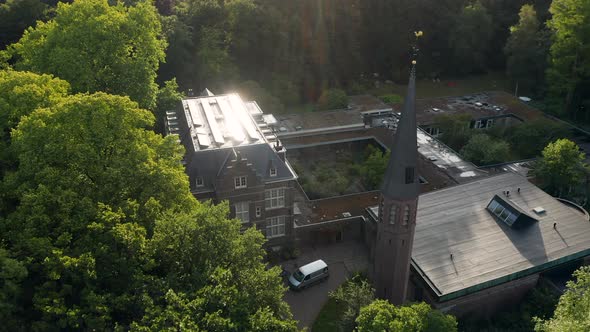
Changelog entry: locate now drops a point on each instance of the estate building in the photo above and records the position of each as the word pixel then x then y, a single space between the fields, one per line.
pixel 233 154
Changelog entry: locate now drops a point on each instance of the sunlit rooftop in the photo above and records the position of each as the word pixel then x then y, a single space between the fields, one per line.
pixel 222 121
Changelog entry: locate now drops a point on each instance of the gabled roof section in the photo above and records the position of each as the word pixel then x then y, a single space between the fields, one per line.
pixel 401 178
pixel 211 164
pixel 509 212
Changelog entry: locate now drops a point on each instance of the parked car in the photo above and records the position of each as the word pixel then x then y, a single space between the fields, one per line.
pixel 308 275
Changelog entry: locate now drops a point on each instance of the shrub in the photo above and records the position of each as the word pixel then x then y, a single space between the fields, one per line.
pixel 355 294
pixel 391 99
pixel 333 99
pixel 484 150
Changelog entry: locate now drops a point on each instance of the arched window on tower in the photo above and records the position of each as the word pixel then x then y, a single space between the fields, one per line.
pixel 406 215
pixel 392 214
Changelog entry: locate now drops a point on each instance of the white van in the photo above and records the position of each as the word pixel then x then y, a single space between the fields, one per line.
pixel 308 275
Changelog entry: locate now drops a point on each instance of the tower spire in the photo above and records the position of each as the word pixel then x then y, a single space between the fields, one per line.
pixel 400 179
pixel 398 204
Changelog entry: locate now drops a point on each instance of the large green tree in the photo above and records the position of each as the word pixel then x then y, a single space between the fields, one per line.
pixel 354 294
pixel 469 39
pixel 103 232
pixel 374 166
pixel 219 278
pixel 20 94
pixel 167 99
pixel 569 64
pixel 529 138
pixel 485 150
pixel 90 182
pixel 526 51
pixel 16 16
pixel 572 310
pixel 419 317
pixel 455 129
pixel 561 167
pixel 96 46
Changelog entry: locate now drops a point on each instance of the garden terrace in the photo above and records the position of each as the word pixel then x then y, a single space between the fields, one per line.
pixel 341 156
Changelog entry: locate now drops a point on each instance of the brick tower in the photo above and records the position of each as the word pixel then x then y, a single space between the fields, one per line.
pixel 397 207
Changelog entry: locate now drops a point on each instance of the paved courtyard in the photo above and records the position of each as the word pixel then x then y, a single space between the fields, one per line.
pixel 343 259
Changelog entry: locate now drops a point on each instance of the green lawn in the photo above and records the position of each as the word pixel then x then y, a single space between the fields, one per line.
pixel 329 318
pixel 428 89
pixel 425 88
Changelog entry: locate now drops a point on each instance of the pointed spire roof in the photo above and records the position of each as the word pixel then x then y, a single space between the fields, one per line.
pixel 401 177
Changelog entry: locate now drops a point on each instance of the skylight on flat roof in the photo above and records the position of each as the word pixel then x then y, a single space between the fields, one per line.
pixel 508 212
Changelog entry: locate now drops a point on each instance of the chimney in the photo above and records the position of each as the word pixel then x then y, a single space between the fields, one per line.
pixel 280 150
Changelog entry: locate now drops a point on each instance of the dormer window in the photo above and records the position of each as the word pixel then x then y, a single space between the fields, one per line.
pixel 199 182
pixel 240 182
pixel 273 171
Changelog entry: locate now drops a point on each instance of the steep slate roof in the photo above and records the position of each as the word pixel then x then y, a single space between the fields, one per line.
pixel 209 164
pixel 404 151
pixel 486 251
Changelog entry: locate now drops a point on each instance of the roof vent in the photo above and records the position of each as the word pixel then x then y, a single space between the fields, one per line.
pixel 539 210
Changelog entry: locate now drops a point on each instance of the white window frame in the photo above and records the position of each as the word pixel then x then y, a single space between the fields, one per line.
pixel 274 198
pixel 258 211
pixel 199 182
pixel 275 227
pixel 407 213
pixel 273 171
pixel 242 211
pixel 392 214
pixel 240 182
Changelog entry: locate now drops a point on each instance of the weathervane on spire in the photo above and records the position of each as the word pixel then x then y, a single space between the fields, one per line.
pixel 415 48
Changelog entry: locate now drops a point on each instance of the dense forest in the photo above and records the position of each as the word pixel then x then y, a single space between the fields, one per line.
pixel 286 52
pixel 98 228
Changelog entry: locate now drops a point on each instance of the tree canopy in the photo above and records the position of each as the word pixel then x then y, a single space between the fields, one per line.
pixel 355 294
pixel 572 310
pixel 569 65
pixel 20 94
pixel 333 99
pixel 526 50
pixel 381 315
pixel 485 150
pixel 96 46
pixel 560 167
pixel 16 16
pixel 531 137
pixel 100 231
pixel 470 38
pixel 454 129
